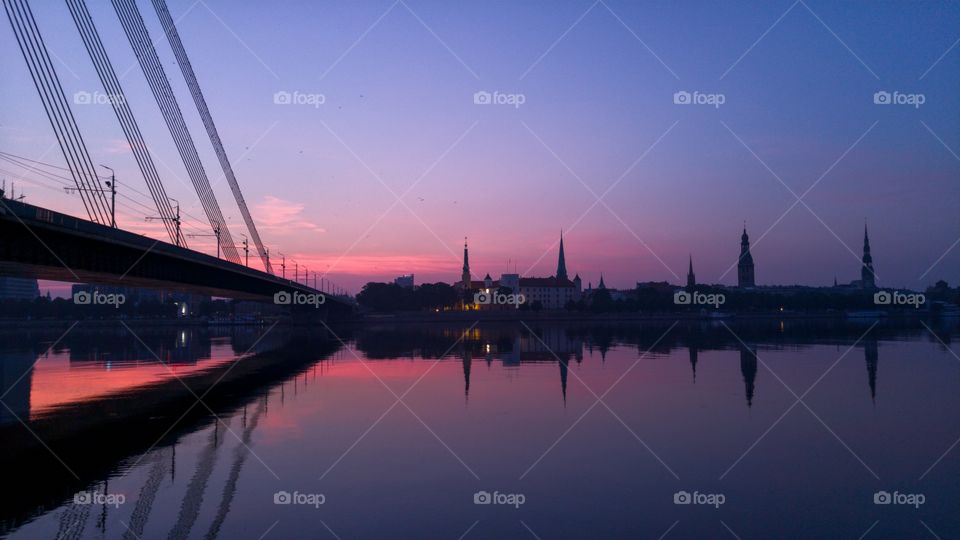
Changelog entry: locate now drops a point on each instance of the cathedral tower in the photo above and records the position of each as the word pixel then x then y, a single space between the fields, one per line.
pixel 745 266
pixel 561 262
pixel 465 277
pixel 867 278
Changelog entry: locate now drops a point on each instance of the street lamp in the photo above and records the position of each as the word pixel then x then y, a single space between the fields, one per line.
pixel 112 184
pixel 175 219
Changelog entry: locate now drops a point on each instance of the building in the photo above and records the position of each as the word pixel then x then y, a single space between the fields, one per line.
pixel 405 281
pixel 18 289
pixel 553 292
pixel 550 292
pixel 868 280
pixel 745 278
pixel 187 303
pixel 691 277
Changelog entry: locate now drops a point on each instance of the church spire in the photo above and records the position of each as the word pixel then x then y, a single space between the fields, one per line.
pixel 868 279
pixel 465 276
pixel 691 277
pixel 561 261
pixel 745 265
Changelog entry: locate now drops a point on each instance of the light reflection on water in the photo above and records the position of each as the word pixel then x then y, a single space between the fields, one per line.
pixel 596 427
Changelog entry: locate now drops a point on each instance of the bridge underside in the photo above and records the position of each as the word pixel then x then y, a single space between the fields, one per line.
pixel 39 243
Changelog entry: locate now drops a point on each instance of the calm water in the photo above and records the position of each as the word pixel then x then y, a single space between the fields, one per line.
pixel 781 430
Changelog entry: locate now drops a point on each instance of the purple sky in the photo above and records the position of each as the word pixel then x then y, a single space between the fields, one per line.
pixel 597 82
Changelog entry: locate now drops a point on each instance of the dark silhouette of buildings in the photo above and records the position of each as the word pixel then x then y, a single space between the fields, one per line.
pixel 561 262
pixel 691 277
pixel 745 266
pixel 465 276
pixel 553 292
pixel 868 280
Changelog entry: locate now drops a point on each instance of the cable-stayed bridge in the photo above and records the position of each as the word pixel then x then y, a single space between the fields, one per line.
pixel 44 244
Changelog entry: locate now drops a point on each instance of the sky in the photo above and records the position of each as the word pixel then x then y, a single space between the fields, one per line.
pixel 385 162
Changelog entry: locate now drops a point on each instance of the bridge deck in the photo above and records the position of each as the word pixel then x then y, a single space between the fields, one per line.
pixel 43 244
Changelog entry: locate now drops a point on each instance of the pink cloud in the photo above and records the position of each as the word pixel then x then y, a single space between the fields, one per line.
pixel 282 216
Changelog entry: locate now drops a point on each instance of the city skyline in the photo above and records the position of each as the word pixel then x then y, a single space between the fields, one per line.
pixel 319 178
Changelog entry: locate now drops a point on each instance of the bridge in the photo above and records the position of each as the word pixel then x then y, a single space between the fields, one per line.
pixel 37 242
pixel 42 244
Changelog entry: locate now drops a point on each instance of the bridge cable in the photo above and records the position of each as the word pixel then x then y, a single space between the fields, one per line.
pixel 58 111
pixel 47 83
pixel 170 29
pixel 139 39
pixel 181 137
pixel 118 101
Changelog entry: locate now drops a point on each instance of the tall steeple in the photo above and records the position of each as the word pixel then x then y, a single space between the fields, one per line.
pixel 561 262
pixel 465 276
pixel 745 266
pixel 868 280
pixel 601 285
pixel 691 277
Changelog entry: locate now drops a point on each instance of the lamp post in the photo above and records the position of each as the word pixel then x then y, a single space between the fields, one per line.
pixel 216 233
pixel 175 219
pixel 113 196
pixel 112 184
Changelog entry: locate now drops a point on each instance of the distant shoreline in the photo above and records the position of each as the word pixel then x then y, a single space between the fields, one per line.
pixel 493 316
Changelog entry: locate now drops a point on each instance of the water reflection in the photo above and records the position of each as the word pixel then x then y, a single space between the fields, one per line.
pixel 111 402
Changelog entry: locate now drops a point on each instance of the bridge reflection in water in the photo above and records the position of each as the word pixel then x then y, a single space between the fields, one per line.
pixel 109 403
